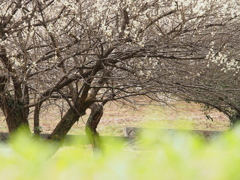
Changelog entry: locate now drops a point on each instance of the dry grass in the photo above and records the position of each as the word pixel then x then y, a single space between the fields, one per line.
pixel 185 116
pixel 180 115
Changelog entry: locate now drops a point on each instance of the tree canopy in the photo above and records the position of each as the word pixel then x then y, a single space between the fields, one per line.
pixel 87 52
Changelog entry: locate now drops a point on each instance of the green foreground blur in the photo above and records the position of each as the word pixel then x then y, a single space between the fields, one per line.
pixel 156 155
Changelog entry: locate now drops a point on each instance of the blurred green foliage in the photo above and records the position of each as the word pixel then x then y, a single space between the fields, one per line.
pixel 155 155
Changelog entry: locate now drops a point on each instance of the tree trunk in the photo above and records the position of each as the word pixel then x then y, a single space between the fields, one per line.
pixel 16 114
pixel 37 128
pixel 235 119
pixel 91 125
pixel 65 124
pixel 13 108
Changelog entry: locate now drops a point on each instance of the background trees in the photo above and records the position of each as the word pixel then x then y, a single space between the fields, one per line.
pixel 91 52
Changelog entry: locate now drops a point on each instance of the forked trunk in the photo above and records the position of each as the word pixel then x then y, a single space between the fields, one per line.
pixel 72 116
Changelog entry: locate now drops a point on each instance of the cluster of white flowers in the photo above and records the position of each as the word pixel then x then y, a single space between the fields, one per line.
pixel 148 66
pixel 107 15
pixel 223 62
pixel 104 18
pixel 70 4
pixel 3 42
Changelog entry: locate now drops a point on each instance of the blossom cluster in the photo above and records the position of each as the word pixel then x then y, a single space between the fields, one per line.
pixel 223 61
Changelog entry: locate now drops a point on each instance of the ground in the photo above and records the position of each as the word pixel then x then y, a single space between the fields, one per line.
pixel 116 117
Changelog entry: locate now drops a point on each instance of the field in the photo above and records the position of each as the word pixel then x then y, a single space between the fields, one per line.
pixel 179 115
pixel 172 156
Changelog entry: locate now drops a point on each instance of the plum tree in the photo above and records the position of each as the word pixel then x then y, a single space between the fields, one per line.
pixel 91 52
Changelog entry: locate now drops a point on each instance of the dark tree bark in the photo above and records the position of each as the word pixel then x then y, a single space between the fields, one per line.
pixel 92 123
pixel 69 119
pixel 15 112
pixel 13 108
pixel 78 109
pixel 65 124
pixel 235 119
pixel 37 129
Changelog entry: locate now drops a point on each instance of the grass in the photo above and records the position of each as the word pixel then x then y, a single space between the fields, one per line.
pixel 150 157
pixel 157 155
pixel 180 115
pixel 185 116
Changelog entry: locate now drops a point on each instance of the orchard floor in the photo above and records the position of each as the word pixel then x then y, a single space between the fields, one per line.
pixel 180 115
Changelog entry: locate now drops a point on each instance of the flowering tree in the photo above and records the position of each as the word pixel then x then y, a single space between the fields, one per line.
pixel 90 52
pixel 215 83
